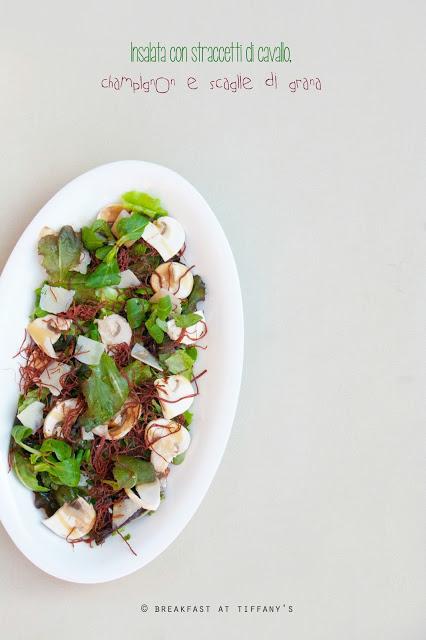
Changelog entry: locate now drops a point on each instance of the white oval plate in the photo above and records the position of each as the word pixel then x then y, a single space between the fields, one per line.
pixel 76 204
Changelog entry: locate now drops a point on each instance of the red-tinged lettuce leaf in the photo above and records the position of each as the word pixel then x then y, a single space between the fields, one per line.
pixel 60 253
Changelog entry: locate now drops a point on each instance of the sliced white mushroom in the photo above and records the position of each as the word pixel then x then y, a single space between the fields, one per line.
pixel 43 337
pixel 51 376
pixel 175 394
pixel 159 463
pixel 121 423
pixel 166 235
pixel 161 293
pixel 32 416
pixel 46 332
pixel 114 329
pixel 101 430
pixel 111 212
pixel 85 260
pixel 190 334
pixel 166 439
pixel 175 277
pixel 128 280
pixel 73 520
pixel 88 351
pixel 56 299
pixel 56 323
pixel 122 511
pixel 147 495
pixel 124 421
pixel 139 352
pixel 55 418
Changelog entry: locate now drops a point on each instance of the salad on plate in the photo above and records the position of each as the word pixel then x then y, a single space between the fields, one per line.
pixel 107 374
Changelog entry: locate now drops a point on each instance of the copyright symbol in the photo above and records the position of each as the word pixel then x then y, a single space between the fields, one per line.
pixel 144 608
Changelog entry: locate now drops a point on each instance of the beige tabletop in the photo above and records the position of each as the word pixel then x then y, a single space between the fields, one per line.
pixel 317 502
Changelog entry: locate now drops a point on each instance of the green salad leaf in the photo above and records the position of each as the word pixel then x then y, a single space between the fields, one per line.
pixel 154 330
pixel 106 274
pixel 129 471
pixel 187 320
pixel 61 449
pixel 136 309
pixel 105 392
pixel 137 372
pixel 179 458
pixel 102 252
pixel 198 294
pixel 83 295
pixel 131 228
pixel 163 307
pixel 97 235
pixel 93 332
pixel 188 417
pixel 181 362
pixel 107 294
pixel 65 494
pixel 60 253
pixel 156 323
pixel 162 324
pixel 192 352
pixel 66 471
pixel 38 312
pixel 25 472
pixel 21 433
pixel 143 203
pixel 56 458
pixel 63 467
pixel 35 395
pixel 144 291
